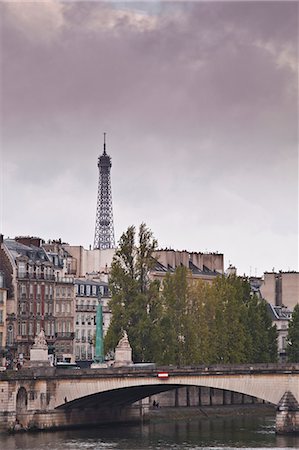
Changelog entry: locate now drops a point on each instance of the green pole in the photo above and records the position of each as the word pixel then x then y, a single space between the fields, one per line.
pixel 99 350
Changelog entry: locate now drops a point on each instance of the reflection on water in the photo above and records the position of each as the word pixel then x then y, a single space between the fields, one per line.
pixel 195 434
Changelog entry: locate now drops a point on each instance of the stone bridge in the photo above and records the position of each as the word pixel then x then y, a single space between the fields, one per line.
pixel 51 398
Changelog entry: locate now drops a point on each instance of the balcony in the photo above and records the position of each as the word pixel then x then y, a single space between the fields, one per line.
pixel 85 307
pixel 65 335
pixel 68 280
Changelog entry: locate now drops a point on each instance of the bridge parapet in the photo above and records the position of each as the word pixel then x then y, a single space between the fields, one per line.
pixel 131 371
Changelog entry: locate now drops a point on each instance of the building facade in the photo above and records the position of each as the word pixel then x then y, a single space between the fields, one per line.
pixel 3 299
pixel 281 316
pixel 281 288
pixel 30 301
pixel 88 294
pixel 40 295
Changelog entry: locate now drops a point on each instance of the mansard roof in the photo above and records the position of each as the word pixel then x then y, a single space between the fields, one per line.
pixel 158 267
pixel 90 282
pixel 279 312
pixel 18 250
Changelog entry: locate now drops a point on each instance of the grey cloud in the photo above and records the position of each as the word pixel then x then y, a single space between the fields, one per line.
pixel 201 122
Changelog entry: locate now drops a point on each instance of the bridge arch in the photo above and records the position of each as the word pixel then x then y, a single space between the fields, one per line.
pixel 265 386
pixel 21 406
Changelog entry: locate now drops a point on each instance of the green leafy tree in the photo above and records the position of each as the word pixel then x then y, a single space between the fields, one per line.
pixel 202 310
pixel 134 302
pixel 229 331
pixel 174 321
pixel 293 337
pixel 261 334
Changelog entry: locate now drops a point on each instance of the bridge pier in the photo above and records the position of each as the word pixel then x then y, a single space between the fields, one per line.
pixel 69 417
pixel 287 414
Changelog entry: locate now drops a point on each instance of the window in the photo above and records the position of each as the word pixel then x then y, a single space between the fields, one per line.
pixel 57 292
pixel 37 271
pixel 83 319
pixel 30 329
pixel 62 307
pixel 94 290
pixel 63 292
pixel 82 289
pixel 68 307
pixel 9 334
pixel 1 316
pixel 88 289
pixel 38 290
pixel 37 327
pixel 23 329
pixel 51 291
pixel 57 307
pixel 37 307
pixel 21 269
pixel 31 290
pixel 46 308
pixel 69 292
pixel 23 289
pixel 76 288
pixel 77 319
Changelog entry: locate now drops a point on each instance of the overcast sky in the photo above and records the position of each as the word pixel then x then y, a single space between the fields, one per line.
pixel 199 102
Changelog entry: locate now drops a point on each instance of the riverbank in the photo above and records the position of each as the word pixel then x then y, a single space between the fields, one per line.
pixel 206 412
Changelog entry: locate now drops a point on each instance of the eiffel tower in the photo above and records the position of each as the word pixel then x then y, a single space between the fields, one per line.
pixel 104 229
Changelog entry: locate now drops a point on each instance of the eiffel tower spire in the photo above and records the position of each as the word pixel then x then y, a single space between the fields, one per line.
pixel 104 229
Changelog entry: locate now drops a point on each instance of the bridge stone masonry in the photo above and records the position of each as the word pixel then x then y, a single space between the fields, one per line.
pixel 50 398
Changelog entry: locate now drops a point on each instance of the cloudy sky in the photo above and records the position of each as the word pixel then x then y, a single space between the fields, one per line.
pixel 199 102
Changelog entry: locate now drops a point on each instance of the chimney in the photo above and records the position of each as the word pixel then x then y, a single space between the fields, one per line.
pixel 29 240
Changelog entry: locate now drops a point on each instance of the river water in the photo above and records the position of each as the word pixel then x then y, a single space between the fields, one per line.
pixel 234 432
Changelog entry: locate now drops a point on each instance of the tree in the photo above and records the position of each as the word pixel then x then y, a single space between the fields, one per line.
pixel 261 334
pixel 293 337
pixel 174 321
pixel 134 297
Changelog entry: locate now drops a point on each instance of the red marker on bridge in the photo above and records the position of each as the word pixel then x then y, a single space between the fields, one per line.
pixel 163 375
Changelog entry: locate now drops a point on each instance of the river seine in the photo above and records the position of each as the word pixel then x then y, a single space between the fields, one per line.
pixel 224 433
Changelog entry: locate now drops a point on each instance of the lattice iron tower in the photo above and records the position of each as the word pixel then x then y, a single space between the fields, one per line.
pixel 104 229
